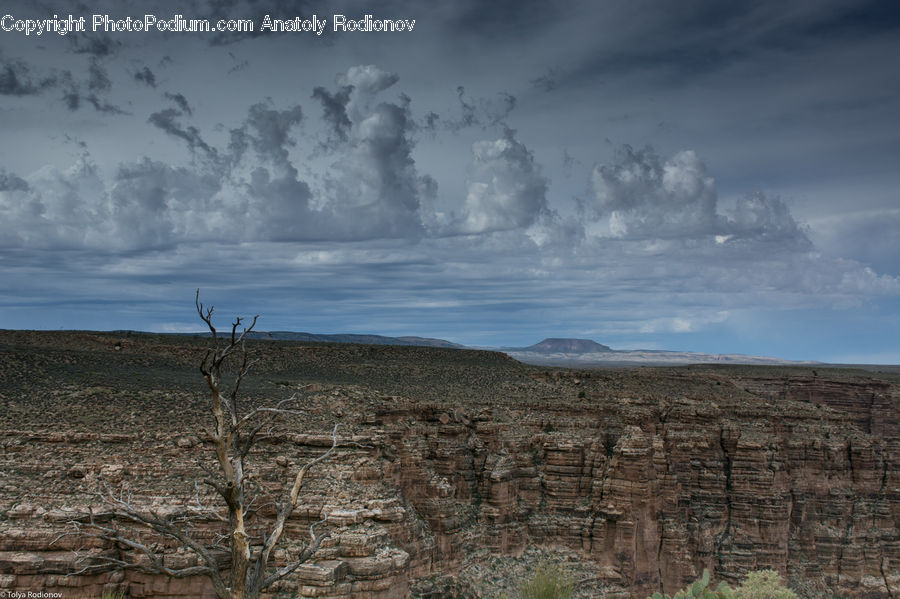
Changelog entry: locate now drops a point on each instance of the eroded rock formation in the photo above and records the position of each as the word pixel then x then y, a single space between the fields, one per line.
pixel 649 475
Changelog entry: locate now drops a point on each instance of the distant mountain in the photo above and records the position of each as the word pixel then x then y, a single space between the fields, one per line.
pixel 351 338
pixel 553 345
pixel 553 351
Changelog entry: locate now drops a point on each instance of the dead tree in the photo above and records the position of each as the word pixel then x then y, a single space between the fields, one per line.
pixel 241 565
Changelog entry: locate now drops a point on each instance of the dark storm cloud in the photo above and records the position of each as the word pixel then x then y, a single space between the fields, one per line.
pixel 272 131
pixel 334 107
pixel 482 112
pixel 467 109
pixel 98 85
pixel 12 182
pixel 98 44
pixel 240 66
pixel 17 79
pixel 98 80
pixel 72 99
pixel 145 76
pixel 167 121
pixel 431 122
pixel 104 106
pixel 181 102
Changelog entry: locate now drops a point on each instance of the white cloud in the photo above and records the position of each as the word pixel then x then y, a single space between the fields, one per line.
pixel 505 188
pixel 644 197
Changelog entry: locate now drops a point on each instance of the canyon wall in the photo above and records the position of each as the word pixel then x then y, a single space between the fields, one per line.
pixel 649 475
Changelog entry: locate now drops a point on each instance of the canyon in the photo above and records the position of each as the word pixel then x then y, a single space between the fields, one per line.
pixel 452 461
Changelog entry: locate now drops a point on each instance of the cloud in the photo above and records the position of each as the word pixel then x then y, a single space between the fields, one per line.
pixel 250 190
pixel 334 107
pixel 181 102
pixel 48 210
pixel 12 182
pixel 16 79
pixel 767 219
pixel 373 184
pixel 278 206
pixel 869 237
pixel 167 121
pixel 98 44
pixel 104 106
pixel 505 189
pixel 332 207
pixel 271 131
pixel 366 81
pixel 145 75
pixel 644 197
pixel 98 84
pixel 482 112
pixel 98 80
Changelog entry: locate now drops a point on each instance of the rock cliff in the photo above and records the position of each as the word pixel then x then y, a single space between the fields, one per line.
pixel 647 475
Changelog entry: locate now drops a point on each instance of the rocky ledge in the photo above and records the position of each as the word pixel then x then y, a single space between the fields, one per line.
pixel 447 457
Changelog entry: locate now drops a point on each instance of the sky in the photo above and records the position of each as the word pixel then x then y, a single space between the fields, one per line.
pixel 696 175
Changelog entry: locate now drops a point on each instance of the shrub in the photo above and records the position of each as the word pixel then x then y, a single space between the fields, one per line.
pixel 764 584
pixel 761 584
pixel 701 590
pixel 549 582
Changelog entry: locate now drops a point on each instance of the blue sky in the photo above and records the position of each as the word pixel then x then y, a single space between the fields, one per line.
pixel 702 176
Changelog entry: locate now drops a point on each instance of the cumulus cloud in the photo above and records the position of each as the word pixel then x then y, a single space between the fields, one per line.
pixel 12 182
pixel 366 81
pixel 658 216
pixel 249 190
pixel 505 189
pixel 765 218
pixel 643 196
pixel 374 183
pixel 49 209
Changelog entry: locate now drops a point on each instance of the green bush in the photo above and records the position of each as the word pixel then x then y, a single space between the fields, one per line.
pixel 764 584
pixel 761 584
pixel 700 590
pixel 549 582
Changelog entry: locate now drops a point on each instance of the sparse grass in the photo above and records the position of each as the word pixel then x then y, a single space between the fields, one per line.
pixel 550 581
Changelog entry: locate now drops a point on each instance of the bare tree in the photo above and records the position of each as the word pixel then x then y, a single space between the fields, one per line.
pixel 240 565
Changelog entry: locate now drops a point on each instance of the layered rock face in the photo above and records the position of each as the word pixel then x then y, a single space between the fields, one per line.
pixel 649 475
